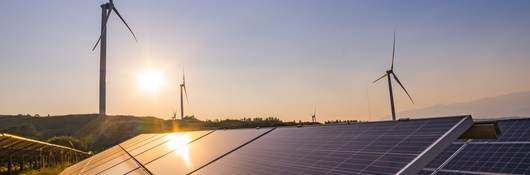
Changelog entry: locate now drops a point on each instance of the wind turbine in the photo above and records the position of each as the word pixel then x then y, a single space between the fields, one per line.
pixel 314 116
pixel 389 74
pixel 185 92
pixel 106 11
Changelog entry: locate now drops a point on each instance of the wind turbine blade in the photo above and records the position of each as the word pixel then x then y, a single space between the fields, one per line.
pixel 97 43
pixel 104 29
pixel 399 82
pixel 315 110
pixel 183 78
pixel 380 78
pixel 123 20
pixel 186 93
pixel 393 51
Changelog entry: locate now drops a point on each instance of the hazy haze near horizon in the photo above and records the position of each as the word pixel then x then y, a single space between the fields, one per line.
pixel 262 58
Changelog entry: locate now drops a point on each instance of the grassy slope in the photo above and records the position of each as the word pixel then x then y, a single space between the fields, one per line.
pixel 95 131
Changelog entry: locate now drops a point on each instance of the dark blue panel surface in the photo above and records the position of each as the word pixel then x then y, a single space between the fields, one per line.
pixel 494 158
pixel 514 130
pixel 424 172
pixel 367 148
pixel 453 173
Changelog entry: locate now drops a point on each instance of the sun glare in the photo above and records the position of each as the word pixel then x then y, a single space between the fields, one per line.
pixel 179 143
pixel 151 81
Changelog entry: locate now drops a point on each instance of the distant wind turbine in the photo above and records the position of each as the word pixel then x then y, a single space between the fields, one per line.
pixel 390 73
pixel 314 116
pixel 183 92
pixel 106 10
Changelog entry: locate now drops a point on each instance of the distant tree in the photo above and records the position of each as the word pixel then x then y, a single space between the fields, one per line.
pixel 25 129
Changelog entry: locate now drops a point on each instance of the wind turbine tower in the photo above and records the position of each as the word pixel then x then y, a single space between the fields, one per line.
pixel 314 116
pixel 106 11
pixel 183 92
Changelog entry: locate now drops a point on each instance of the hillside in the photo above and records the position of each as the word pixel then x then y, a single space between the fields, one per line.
pixel 514 104
pixel 92 132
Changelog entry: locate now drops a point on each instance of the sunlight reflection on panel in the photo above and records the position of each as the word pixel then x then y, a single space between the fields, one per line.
pixel 179 142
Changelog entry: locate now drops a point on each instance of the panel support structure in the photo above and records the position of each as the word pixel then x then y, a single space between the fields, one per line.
pixel 437 147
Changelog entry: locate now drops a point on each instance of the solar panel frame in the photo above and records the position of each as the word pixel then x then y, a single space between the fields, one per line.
pixel 442 157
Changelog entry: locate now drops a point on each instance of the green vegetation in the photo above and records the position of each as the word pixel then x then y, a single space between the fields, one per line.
pixel 92 132
pixel 44 171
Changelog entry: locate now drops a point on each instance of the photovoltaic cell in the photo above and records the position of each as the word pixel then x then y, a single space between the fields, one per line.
pixel 361 148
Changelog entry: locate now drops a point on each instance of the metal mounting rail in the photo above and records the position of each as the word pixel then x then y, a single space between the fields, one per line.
pixel 451 157
pixel 136 160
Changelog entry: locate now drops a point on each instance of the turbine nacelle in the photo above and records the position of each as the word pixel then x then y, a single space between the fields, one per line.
pixel 107 5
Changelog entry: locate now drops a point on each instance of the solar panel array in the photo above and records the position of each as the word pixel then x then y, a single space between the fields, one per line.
pixel 361 148
pixel 18 153
pixel 509 154
pixel 369 148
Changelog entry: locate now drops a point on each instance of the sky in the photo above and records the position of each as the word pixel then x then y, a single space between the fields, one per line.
pixel 249 58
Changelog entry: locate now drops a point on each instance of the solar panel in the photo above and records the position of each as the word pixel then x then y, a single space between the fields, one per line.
pixel 115 160
pixel 112 153
pixel 17 153
pixel 509 154
pixel 186 158
pixel 100 161
pixel 390 147
pixel 125 163
pixel 394 147
pixel 514 130
pixel 498 158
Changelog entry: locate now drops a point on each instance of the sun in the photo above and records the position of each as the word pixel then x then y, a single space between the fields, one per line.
pixel 151 81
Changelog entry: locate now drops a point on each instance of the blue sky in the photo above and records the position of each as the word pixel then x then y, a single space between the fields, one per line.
pixel 262 58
